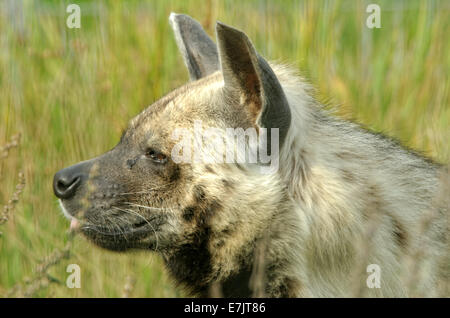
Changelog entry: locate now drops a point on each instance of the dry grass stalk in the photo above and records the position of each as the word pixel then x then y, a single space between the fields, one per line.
pixel 258 277
pixel 10 206
pixel 14 142
pixel 215 290
pixel 129 286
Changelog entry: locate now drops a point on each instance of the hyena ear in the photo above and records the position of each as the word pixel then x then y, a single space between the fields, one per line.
pixel 198 49
pixel 251 80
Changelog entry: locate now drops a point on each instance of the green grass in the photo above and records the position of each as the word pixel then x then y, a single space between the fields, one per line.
pixel 70 92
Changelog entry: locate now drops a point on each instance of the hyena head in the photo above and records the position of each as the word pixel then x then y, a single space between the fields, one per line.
pixel 203 218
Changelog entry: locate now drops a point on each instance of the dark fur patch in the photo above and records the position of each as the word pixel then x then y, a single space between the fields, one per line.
pixel 373 207
pixel 199 194
pixel 289 288
pixel 400 234
pixel 347 175
pixel 188 213
pixel 227 231
pixel 228 184
pixel 349 156
pixel 345 155
pixel 190 265
pixel 238 285
pixel 209 169
pixel 175 174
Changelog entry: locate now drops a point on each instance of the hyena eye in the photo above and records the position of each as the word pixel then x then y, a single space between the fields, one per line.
pixel 156 156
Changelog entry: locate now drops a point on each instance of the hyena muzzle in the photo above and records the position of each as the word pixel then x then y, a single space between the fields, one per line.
pixel 228 229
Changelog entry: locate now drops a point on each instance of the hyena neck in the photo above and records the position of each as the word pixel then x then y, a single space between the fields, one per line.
pixel 265 268
pixel 248 254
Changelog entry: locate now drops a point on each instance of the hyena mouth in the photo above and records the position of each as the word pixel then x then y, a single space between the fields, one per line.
pixel 117 237
pixel 115 233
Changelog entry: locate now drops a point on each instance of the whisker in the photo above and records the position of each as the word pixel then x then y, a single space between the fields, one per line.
pixel 146 207
pixel 118 227
pixel 96 229
pixel 147 221
pixel 147 191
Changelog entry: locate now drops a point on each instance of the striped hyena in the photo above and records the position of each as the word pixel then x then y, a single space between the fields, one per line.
pixel 342 198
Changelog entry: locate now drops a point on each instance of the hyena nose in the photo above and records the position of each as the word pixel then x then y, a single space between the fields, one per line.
pixel 65 184
pixel 68 180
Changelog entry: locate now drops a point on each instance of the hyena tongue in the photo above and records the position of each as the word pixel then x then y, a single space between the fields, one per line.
pixel 74 224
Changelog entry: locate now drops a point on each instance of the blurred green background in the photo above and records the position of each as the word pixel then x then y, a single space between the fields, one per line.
pixel 70 92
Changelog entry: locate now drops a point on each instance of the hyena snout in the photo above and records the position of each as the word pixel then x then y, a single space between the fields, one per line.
pixel 67 181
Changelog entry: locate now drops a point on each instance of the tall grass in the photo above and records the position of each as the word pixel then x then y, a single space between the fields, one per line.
pixel 70 93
